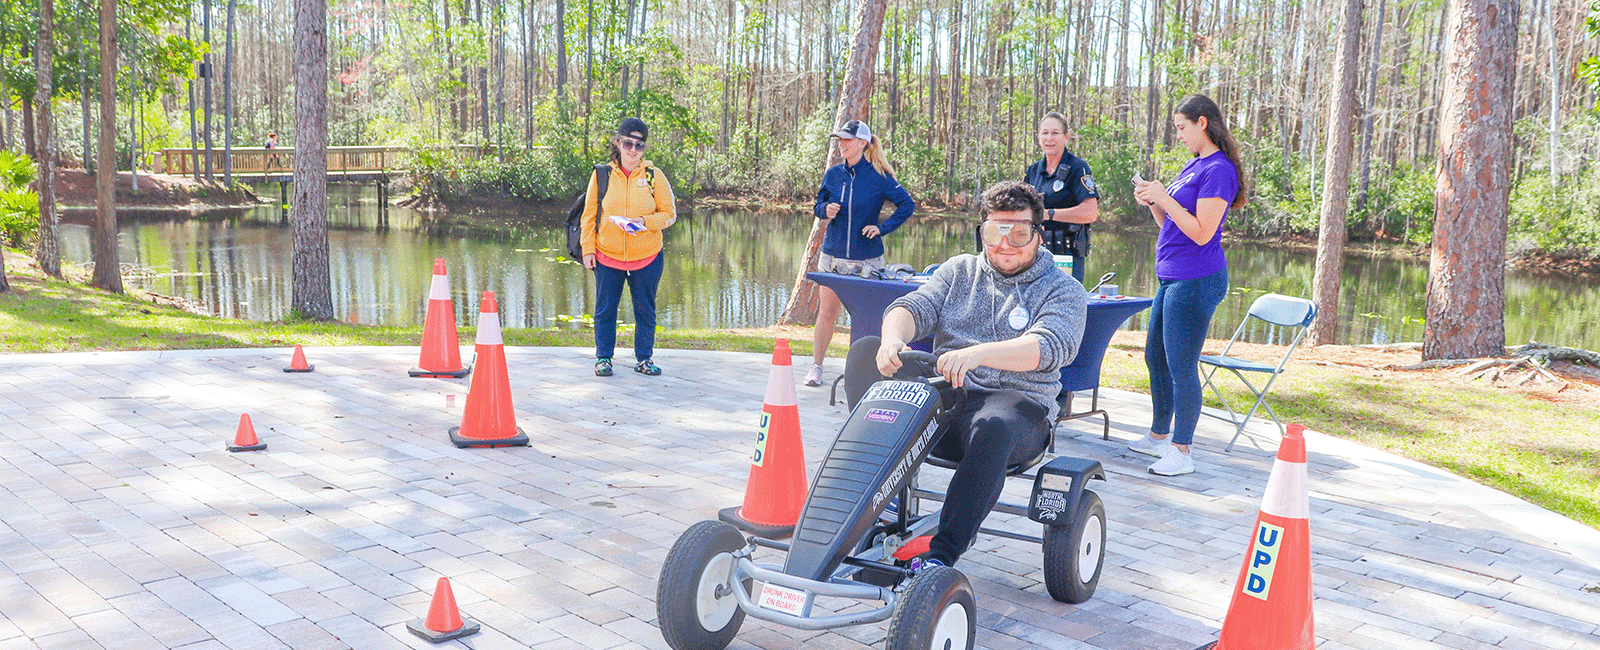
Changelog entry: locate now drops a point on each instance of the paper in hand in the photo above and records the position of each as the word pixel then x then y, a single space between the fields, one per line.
pixel 627 225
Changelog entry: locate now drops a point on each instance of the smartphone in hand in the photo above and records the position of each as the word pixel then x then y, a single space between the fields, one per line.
pixel 1137 178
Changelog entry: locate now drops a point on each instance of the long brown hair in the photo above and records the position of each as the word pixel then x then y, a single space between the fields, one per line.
pixel 874 154
pixel 1195 107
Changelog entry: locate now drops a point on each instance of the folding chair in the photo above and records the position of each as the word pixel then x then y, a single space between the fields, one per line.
pixel 1273 309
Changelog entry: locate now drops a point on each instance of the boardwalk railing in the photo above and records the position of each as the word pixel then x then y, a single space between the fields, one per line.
pixel 260 161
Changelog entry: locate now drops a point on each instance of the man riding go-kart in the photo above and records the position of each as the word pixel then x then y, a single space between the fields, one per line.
pixel 1002 324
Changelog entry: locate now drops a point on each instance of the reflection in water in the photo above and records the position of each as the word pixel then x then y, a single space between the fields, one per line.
pixel 724 269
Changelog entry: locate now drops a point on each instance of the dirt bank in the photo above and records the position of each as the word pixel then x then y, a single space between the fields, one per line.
pixel 75 191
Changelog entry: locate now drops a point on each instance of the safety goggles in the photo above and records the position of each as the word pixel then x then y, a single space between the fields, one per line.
pixel 1016 234
pixel 630 143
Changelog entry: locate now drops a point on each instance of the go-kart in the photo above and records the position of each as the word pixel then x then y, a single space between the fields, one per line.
pixel 844 549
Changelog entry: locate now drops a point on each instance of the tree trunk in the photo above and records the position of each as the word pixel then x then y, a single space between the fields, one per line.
pixel 48 250
pixel 227 100
pixel 107 262
pixel 1466 275
pixel 1336 181
pixel 561 52
pixel 311 293
pixel 194 130
pixel 205 65
pixel 1366 114
pixel 30 144
pixel 853 105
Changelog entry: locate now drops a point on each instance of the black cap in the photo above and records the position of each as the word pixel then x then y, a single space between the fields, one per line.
pixel 634 127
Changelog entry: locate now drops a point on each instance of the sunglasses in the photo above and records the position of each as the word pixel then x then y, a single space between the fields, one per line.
pixel 630 143
pixel 1016 234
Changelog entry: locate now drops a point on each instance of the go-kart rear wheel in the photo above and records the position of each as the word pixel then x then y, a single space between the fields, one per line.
pixel 1074 553
pixel 937 611
pixel 694 602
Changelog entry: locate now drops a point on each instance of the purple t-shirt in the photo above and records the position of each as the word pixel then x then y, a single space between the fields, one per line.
pixel 1177 256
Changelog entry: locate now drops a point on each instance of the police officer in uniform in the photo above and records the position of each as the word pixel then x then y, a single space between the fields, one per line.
pixel 1070 197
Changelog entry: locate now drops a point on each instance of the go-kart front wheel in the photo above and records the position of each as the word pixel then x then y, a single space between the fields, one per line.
pixel 694 602
pixel 1074 553
pixel 937 611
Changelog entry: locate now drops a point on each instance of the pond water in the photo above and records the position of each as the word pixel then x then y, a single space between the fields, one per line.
pixel 725 268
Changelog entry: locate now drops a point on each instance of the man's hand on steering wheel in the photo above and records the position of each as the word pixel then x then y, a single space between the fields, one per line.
pixel 888 359
pixel 953 365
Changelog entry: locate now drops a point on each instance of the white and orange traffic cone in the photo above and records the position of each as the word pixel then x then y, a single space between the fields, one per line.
pixel 244 438
pixel 776 490
pixel 488 419
pixel 297 363
pixel 441 348
pixel 1271 610
pixel 444 621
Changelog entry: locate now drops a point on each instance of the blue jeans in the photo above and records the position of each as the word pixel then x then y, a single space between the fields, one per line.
pixel 608 297
pixel 1178 323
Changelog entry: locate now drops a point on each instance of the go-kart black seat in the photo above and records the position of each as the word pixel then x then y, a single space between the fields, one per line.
pixel 861 372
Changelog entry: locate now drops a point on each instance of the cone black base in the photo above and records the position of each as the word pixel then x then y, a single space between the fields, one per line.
pixel 519 440
pixel 419 628
pixel 440 374
pixel 305 369
pixel 768 531
pixel 255 447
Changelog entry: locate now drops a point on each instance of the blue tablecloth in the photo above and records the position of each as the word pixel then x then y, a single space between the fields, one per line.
pixel 866 299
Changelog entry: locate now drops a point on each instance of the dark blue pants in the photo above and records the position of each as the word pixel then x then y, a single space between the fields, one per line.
pixel 608 297
pixel 1178 324
pixel 994 429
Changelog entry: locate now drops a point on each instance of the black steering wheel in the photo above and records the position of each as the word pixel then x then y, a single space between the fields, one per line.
pixel 916 365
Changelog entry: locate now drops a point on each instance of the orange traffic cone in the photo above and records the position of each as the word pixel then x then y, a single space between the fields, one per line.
pixel 1272 608
pixel 488 420
pixel 776 489
pixel 244 439
pixel 441 349
pixel 444 620
pixel 298 362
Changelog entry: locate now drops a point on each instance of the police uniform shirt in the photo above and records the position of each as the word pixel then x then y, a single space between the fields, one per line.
pixel 1071 184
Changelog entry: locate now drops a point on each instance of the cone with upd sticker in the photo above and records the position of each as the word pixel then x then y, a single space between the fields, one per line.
pixel 488 419
pixel 297 363
pixel 1271 609
pixel 441 349
pixel 776 490
pixel 244 438
pixel 444 621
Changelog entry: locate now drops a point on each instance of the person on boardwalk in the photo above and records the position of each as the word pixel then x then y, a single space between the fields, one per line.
pixel 851 200
pixel 1193 275
pixel 627 249
pixel 1071 200
pixel 272 152
pixel 1003 323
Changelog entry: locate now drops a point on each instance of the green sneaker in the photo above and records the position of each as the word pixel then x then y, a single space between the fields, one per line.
pixel 602 367
pixel 647 367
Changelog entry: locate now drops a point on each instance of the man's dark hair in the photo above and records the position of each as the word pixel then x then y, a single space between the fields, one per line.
pixel 1011 196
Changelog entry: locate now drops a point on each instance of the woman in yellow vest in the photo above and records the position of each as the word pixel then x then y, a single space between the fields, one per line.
pixel 638 205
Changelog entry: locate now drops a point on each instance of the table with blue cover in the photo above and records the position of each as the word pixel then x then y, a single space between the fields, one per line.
pixel 865 299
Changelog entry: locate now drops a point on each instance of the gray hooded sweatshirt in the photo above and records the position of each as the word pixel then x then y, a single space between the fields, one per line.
pixel 967 302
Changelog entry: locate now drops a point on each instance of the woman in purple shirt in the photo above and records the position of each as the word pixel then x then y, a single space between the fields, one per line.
pixel 1193 275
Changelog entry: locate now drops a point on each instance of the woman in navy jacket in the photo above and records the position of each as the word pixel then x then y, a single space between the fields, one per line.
pixel 851 199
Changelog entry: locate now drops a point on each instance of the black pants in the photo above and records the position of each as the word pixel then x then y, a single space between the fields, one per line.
pixel 993 430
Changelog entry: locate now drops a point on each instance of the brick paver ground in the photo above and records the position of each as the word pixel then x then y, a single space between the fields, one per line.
pixel 125 525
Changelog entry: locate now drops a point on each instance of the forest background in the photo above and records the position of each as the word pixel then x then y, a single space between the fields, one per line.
pixel 741 94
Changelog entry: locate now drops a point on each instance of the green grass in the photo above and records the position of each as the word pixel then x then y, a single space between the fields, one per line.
pixel 1543 452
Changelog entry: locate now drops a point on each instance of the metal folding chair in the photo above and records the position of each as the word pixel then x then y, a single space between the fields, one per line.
pixel 1282 312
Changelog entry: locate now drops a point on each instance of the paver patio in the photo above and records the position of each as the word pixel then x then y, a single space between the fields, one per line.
pixel 125 525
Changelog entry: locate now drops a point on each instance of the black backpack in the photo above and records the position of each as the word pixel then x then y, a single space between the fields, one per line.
pixel 602 178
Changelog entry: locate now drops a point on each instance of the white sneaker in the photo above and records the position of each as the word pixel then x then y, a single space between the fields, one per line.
pixel 814 375
pixel 1150 446
pixel 1172 463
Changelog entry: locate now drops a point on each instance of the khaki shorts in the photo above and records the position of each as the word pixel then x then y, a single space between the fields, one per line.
pixel 829 264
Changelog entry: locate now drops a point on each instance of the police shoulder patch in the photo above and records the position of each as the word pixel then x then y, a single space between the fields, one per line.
pixel 1088 182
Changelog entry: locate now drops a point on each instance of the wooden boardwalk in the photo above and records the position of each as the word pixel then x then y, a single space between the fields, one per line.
pixel 262 165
